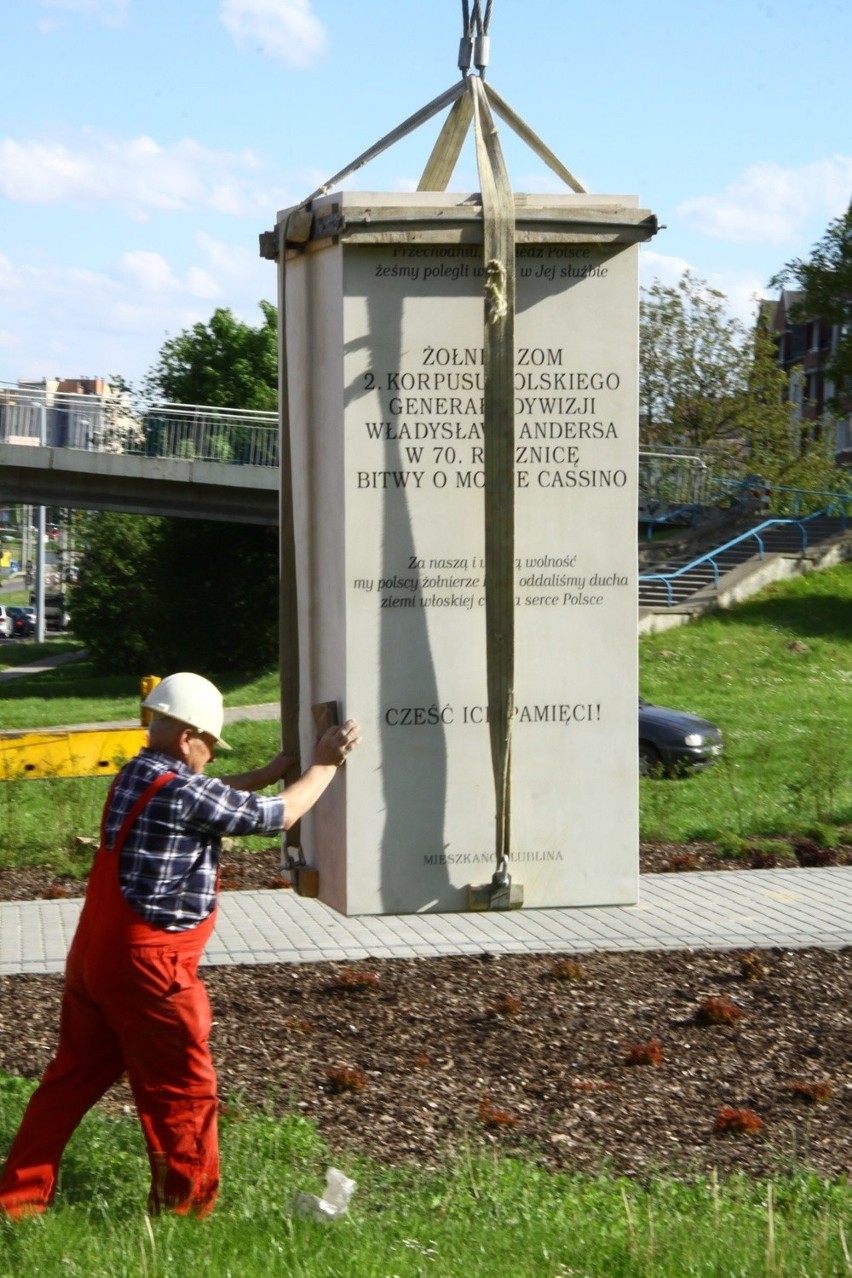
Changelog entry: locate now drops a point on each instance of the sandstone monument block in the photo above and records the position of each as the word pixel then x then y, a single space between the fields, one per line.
pixel 383 322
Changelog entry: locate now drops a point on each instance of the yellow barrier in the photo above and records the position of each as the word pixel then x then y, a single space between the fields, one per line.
pixel 147 684
pixel 87 752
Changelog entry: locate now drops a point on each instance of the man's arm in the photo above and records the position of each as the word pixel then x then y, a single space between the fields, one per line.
pixel 330 752
pixel 260 778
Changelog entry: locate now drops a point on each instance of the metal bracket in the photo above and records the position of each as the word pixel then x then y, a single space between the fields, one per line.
pixel 304 878
pixel 500 894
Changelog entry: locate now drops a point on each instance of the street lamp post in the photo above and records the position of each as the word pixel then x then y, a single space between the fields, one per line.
pixel 41 537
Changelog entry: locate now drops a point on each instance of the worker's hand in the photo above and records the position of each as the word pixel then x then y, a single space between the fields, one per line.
pixel 336 744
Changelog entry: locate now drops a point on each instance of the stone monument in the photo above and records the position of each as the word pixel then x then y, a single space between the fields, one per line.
pixel 382 331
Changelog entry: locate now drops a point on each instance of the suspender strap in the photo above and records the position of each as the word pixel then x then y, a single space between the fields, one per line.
pixel 142 802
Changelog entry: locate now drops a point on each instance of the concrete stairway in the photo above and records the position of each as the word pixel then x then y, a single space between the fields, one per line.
pixel 721 577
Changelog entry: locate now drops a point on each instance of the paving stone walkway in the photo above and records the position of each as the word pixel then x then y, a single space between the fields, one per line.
pixel 747 909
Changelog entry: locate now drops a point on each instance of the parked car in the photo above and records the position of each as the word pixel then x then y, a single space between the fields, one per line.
pixel 23 622
pixel 56 615
pixel 672 743
pixel 5 623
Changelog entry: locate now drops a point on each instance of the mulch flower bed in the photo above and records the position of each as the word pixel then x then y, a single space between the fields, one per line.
pixel 636 1063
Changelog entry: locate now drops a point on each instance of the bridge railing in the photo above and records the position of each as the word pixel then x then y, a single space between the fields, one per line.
pixel 204 434
pixel 111 424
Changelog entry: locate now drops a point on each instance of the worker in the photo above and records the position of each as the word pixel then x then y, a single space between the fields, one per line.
pixel 132 1000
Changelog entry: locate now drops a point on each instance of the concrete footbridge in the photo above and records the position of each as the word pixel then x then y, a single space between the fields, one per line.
pixel 177 460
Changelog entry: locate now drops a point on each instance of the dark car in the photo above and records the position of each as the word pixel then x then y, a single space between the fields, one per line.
pixel 23 623
pixel 672 743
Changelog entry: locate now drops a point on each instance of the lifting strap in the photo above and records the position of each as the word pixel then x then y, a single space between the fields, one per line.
pixel 288 615
pixel 498 231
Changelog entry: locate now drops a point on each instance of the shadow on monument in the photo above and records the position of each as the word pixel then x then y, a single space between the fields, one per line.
pixel 414 778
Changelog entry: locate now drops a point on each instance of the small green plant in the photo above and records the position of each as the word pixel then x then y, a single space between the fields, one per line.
pixel 823 834
pixel 817 790
pixel 658 805
pixel 730 847
pixel 219 448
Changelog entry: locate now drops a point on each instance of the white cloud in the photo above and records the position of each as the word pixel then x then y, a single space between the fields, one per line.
pixel 769 203
pixel 67 320
pixel 149 272
pixel 660 268
pixel 286 30
pixel 112 13
pixel 151 276
pixel 741 289
pixel 138 175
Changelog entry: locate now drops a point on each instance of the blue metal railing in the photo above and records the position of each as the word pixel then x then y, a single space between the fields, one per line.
pixel 711 557
pixel 815 501
pixel 795 502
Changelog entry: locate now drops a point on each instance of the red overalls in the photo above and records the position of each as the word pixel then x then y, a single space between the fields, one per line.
pixel 132 1002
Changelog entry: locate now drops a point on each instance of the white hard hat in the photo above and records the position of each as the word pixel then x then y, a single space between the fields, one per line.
pixel 191 699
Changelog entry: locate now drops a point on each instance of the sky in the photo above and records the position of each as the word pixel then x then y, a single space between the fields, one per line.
pixel 145 144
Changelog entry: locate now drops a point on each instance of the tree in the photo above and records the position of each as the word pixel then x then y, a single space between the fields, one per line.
pixel 225 363
pixel 115 605
pixel 169 594
pixel 229 364
pixel 825 282
pixel 777 449
pixel 708 381
pixel 692 366
pixel 217 584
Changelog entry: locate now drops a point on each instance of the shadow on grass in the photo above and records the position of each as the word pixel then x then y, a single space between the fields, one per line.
pixel 818 617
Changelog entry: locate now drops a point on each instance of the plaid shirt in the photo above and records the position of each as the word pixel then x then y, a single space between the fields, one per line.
pixel 170 860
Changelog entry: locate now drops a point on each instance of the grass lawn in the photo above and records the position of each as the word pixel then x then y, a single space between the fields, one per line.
pixel 775 673
pixel 474 1217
